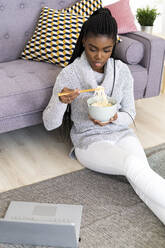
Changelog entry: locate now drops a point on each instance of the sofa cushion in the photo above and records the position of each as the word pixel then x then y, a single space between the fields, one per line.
pixel 129 50
pixel 18 20
pixel 122 13
pixel 27 86
pixel 55 37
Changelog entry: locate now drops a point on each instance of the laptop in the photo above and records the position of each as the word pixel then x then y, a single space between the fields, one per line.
pixel 46 224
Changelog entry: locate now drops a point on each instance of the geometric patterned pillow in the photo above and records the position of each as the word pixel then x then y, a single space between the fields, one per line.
pixel 84 7
pixel 55 37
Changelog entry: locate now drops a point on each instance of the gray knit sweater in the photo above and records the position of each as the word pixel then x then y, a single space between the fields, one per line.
pixel 80 75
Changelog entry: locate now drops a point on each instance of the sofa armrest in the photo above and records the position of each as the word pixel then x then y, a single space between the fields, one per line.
pixel 153 60
pixel 129 50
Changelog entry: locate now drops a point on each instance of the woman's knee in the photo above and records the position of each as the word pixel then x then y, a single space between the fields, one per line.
pixel 132 145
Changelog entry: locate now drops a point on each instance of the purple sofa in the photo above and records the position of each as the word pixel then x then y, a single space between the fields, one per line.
pixel 26 86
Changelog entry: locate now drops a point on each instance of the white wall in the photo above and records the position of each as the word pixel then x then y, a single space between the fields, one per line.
pixel 159 4
pixel 163 18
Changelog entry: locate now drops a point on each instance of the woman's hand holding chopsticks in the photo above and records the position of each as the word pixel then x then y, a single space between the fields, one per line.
pixel 68 95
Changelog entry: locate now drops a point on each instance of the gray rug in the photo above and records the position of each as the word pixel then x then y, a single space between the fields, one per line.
pixel 113 215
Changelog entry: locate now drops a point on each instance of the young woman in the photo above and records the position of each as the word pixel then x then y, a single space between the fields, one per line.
pixel 111 147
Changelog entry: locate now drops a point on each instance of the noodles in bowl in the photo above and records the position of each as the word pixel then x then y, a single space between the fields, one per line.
pixel 100 106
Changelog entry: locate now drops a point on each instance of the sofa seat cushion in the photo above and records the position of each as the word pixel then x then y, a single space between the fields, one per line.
pixel 26 86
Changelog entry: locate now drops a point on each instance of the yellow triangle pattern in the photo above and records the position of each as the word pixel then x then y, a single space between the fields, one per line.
pixel 57 31
pixel 84 7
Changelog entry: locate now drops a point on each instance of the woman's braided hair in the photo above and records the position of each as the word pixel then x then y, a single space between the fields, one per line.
pixel 101 22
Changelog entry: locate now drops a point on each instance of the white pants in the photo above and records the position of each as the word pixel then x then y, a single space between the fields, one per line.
pixel 127 158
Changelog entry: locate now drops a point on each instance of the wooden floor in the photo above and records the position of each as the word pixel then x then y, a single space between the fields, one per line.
pixel 33 154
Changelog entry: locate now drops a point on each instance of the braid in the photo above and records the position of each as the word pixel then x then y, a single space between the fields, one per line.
pixel 100 22
pixel 79 46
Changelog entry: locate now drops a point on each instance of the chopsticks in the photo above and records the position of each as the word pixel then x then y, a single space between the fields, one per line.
pixel 81 91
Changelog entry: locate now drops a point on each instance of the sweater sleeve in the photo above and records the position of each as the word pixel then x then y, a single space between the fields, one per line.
pixel 126 113
pixel 54 112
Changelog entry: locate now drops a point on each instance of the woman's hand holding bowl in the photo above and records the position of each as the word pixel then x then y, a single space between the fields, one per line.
pixel 114 118
pixel 70 95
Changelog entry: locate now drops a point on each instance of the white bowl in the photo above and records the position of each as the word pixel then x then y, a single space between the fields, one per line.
pixel 99 113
